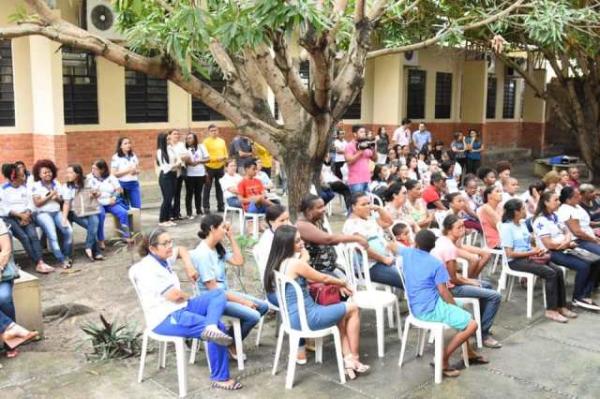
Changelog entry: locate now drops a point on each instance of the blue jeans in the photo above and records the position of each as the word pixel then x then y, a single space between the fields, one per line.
pixel 384 274
pixel 51 223
pixel 589 246
pixel 7 306
pixel 248 317
pixel 586 275
pixel 201 311
pixel 132 193
pixel 253 208
pixel 90 223
pixel 359 187
pixel 27 236
pixel 489 302
pixel 234 202
pixel 120 213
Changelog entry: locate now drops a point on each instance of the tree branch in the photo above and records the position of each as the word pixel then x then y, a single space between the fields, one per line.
pixel 433 40
pixel 539 91
pixel 359 11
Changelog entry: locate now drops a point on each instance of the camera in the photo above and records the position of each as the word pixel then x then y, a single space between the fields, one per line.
pixel 365 144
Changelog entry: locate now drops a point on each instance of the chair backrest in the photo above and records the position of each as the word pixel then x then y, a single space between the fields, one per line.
pixel 358 260
pixel 400 268
pixel 376 200
pixel 504 259
pixel 281 282
pixel 261 261
pixel 439 218
pixel 137 292
pixel 327 225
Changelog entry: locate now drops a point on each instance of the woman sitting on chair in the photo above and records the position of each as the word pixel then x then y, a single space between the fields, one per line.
pixel 516 241
pixel 275 216
pixel 209 259
pixel 170 311
pixel 289 257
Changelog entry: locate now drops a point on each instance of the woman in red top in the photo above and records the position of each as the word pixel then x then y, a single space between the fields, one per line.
pixel 490 214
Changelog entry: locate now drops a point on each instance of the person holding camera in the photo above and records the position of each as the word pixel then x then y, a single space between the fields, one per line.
pixel 358 153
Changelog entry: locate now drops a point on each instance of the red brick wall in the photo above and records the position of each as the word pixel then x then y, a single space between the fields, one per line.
pixel 16 147
pixel 533 136
pixel 501 134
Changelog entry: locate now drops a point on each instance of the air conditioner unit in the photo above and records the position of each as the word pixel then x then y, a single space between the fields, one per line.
pixel 491 63
pixel 411 58
pixel 101 20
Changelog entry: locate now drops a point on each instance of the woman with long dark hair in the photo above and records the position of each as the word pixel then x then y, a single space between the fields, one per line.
pixel 124 165
pixel 289 257
pixel 554 236
pixel 210 259
pixel 382 143
pixel 75 182
pixel 577 220
pixel 196 173
pixel 170 311
pixel 45 194
pixel 166 160
pixel 516 241
pixel 275 216
pixel 473 149
pixel 415 206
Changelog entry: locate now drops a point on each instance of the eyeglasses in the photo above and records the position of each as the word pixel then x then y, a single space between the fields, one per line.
pixel 168 243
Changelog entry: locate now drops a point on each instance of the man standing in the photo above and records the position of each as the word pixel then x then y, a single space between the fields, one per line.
pixel 217 155
pixel 421 137
pixel 402 134
pixel 241 149
pixel 357 157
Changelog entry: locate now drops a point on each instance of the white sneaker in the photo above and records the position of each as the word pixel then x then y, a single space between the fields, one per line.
pixel 586 305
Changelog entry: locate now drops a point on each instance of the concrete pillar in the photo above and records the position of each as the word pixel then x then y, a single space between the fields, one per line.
pixel 388 102
pixel 111 93
pixel 474 92
pixel 180 106
pixel 534 115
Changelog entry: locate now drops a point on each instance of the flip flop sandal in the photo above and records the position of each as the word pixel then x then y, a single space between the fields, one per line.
pixel 17 341
pixel 236 385
pixel 450 372
pixel 478 360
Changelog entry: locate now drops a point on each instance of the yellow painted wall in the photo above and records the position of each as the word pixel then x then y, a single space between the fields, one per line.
pixel 474 86
pixel 534 108
pixel 386 90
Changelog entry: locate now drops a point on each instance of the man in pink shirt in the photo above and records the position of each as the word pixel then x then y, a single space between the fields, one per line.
pixel 358 153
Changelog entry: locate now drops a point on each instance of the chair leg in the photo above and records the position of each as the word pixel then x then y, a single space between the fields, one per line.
pixel 422 343
pixel 404 341
pixel 390 315
pixel 511 283
pixel 419 333
pixel 398 320
pixel 291 370
pixel 259 332
pixel 530 283
pixel 164 355
pixel 255 222
pixel 278 350
pixel 544 293
pixel 143 357
pixel 181 368
pixel 207 357
pixel 239 347
pixel 477 315
pixel 193 351
pixel 241 221
pixel 380 327
pixel 338 354
pixel 465 354
pixel 319 350
pixel 502 281
pixel 439 355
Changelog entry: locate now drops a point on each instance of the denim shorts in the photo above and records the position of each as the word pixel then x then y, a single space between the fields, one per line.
pixel 452 315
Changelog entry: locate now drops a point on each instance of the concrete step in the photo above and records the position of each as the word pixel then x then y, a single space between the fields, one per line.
pixel 512 154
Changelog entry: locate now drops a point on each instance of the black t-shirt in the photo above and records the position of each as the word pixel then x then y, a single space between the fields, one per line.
pixel 240 144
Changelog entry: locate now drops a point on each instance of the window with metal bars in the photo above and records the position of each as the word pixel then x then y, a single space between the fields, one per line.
pixel 80 87
pixel 201 111
pixel 443 95
pixel 353 111
pixel 510 94
pixel 7 94
pixel 146 98
pixel 415 99
pixel 492 90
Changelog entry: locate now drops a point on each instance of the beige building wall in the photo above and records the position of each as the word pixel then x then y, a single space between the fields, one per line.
pixel 387 94
pixel 474 88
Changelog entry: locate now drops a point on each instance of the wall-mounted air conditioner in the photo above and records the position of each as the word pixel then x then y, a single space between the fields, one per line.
pixel 101 20
pixel 411 58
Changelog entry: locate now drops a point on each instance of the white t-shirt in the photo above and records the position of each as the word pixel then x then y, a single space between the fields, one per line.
pixel 107 187
pixel 340 145
pixel 153 280
pixel 263 248
pixel 170 166
pixel 370 230
pixel 566 212
pixel 201 154
pixel 402 135
pixel 14 199
pixel 227 182
pixel 548 226
pixel 121 163
pixel 40 190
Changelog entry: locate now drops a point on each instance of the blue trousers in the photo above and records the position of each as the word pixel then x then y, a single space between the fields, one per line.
pixel 384 274
pixel 90 223
pixel 248 317
pixel 27 236
pixel 489 302
pixel 359 188
pixel 7 306
pixel 189 322
pixel 586 274
pixel 120 213
pixel 132 193
pixel 51 224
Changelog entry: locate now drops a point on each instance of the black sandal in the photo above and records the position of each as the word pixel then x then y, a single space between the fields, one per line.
pixel 478 360
pixel 236 385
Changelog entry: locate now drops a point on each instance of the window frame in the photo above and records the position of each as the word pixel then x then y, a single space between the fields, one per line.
pixel 443 110
pixel 411 106
pixel 147 101
pixel 80 100
pixel 7 88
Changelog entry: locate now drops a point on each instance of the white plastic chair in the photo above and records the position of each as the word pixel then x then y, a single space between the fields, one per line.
pixel 508 276
pixel 436 329
pixel 473 302
pixel 281 282
pixel 163 341
pixel 261 262
pixel 369 297
pixel 242 217
pixel 376 200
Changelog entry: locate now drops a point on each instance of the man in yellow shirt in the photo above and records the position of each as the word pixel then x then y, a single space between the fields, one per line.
pixel 265 157
pixel 217 155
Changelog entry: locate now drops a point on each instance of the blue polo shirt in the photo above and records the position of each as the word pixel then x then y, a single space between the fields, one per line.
pixel 422 274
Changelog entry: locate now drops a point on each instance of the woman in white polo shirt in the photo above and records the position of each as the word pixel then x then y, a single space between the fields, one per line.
pixel 229 183
pixel 196 173
pixel 170 311
pixel 45 194
pixel 124 165
pixel 577 219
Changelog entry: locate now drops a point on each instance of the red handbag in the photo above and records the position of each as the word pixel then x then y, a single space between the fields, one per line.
pixel 324 294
